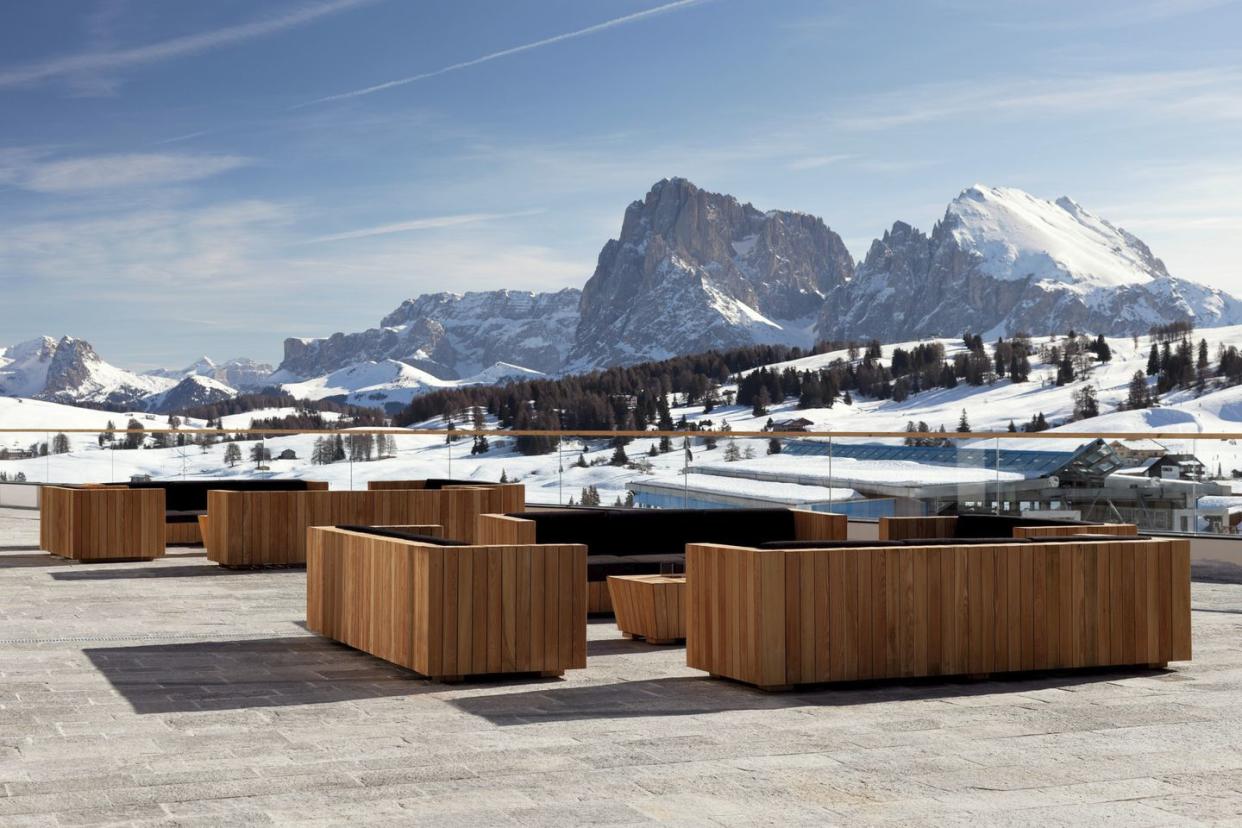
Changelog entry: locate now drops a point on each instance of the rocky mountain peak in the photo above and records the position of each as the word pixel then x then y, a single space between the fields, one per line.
pixel 71 365
pixel 1003 261
pixel 742 276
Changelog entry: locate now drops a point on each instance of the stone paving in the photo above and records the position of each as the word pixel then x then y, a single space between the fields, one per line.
pixel 173 692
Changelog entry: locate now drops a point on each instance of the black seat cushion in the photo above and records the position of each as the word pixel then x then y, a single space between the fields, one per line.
pixel 191 495
pixel 402 534
pixel 827 544
pixel 1086 537
pixel 599 567
pixel 961 541
pixel 187 516
pixel 994 526
pixel 442 482
pixel 630 532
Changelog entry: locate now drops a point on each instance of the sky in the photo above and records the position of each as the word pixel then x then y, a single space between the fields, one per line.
pixel 179 179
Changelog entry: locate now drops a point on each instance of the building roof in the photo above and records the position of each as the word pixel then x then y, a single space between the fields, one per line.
pixel 1094 458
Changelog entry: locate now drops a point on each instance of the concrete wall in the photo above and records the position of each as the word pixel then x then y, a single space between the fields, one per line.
pixel 19 495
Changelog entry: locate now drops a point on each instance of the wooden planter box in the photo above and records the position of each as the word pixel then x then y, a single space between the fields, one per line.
pixel 449 611
pixel 102 523
pixel 776 618
pixel 269 528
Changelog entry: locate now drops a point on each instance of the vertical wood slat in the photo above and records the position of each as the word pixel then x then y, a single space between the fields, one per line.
pixel 650 606
pixel 425 607
pixel 935 610
pixel 101 523
pixel 1119 529
pixel 269 527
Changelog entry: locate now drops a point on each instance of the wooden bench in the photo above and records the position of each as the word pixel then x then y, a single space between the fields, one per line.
pixel 448 612
pixel 102 523
pixel 650 607
pixel 650 541
pixel 248 529
pixel 776 618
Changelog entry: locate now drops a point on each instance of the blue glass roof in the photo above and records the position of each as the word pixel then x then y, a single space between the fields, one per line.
pixel 1025 462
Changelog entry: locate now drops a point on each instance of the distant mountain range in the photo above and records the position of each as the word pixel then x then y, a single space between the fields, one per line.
pixel 691 271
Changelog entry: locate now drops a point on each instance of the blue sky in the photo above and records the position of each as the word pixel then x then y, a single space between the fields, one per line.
pixel 182 178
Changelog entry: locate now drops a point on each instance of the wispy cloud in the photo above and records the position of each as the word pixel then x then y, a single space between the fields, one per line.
pixel 814 162
pixel 112 59
pixel 1214 94
pixel 430 223
pixel 109 172
pixel 525 47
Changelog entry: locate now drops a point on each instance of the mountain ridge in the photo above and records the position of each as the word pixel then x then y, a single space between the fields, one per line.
pixel 693 270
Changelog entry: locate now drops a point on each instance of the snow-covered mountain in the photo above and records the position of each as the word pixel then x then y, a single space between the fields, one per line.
pixel 449 335
pixel 192 391
pixel 1003 261
pixel 68 370
pixel 694 270
pixel 392 384
pixel 242 374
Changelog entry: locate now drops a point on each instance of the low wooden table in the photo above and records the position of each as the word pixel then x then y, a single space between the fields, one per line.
pixel 651 607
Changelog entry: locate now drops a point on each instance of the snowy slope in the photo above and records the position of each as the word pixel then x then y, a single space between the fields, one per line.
pixel 1017 236
pixel 389 382
pixel 23 367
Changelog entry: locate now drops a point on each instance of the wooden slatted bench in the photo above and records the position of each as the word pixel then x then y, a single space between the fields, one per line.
pixel 777 618
pixel 102 523
pixel 448 612
pixel 247 529
pixel 650 607
pixel 651 541
pixel 128 521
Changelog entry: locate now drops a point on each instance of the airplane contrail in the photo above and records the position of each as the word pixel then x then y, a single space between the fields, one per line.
pixel 526 47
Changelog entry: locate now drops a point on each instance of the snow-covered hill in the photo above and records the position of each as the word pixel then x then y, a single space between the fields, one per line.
pixel 392 384
pixel 551 479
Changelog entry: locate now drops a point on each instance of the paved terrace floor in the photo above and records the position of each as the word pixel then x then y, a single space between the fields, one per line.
pixel 175 692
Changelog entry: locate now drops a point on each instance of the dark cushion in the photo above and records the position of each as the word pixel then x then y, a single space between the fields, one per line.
pixel 827 544
pixel 441 482
pixel 630 532
pixel 188 516
pixel 599 567
pixel 994 526
pixel 961 541
pixel 1086 537
pixel 403 534
pixel 191 495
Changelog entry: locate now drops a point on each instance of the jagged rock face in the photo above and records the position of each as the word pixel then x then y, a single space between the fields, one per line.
pixel 1003 262
pixel 451 335
pixel 70 368
pixel 69 371
pixel 694 270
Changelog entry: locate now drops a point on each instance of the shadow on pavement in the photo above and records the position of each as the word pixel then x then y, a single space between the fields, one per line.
pixel 697 696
